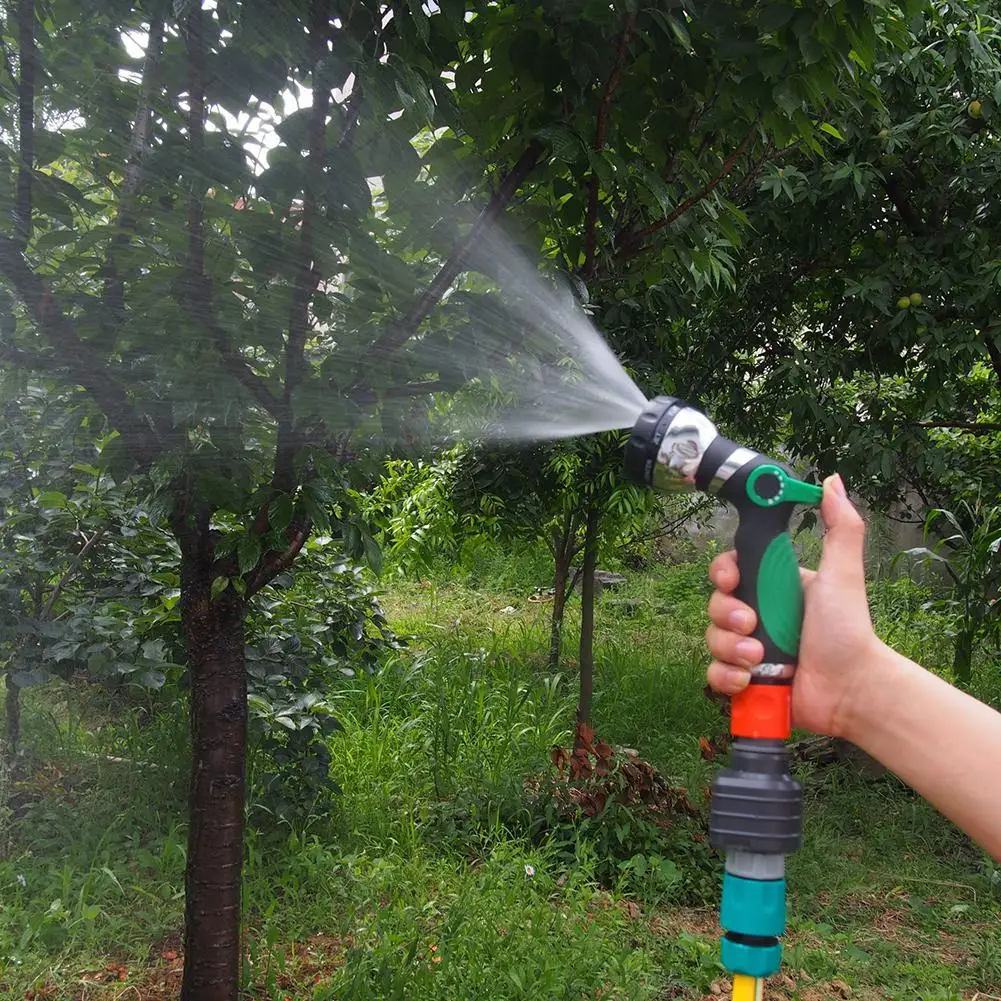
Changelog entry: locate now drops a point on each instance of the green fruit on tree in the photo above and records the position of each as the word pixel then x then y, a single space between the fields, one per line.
pixel 904 302
pixel 883 133
pixel 915 298
pixel 975 109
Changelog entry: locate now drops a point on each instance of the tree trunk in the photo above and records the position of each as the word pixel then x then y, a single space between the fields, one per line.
pixel 587 615
pixel 562 564
pixel 13 707
pixel 214 631
pixel 994 353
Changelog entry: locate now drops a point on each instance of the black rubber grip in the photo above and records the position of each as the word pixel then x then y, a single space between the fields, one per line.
pixel 763 538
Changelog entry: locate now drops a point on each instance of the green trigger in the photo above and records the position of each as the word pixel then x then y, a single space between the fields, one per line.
pixel 779 487
pixel 780 594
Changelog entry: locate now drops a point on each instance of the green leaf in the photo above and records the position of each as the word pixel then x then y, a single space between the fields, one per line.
pixel 49 146
pixel 55 238
pixel 831 131
pixel 811 49
pixel 280 513
pixel 218 586
pixel 421 22
pixel 414 92
pixel 775 16
pixel 658 189
pixel 467 74
pixel 565 144
pixel 373 553
pixel 352 539
pixel 323 306
pixel 248 552
pixel 52 499
pixel 602 168
pixel 680 31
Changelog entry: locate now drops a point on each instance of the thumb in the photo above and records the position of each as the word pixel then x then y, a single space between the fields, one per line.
pixel 844 542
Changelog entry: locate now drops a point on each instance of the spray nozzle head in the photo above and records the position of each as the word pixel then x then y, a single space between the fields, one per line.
pixel 668 443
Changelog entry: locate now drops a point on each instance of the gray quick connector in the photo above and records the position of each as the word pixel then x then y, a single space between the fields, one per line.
pixel 753 865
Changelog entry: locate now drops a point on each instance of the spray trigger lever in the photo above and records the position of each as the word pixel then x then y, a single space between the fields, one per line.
pixel 769 485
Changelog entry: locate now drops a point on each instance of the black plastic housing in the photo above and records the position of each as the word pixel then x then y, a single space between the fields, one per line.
pixel 757 806
pixel 644 443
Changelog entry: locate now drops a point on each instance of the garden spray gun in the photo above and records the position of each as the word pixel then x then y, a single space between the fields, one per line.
pixel 757 807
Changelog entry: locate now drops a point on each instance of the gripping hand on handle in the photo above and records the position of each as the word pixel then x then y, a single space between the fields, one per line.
pixel 837 638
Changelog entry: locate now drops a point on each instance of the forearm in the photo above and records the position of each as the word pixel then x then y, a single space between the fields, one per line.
pixel 943 743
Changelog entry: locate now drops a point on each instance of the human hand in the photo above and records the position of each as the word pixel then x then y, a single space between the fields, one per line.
pixel 837 642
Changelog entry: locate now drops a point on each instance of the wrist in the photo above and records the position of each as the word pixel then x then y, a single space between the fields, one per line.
pixel 864 701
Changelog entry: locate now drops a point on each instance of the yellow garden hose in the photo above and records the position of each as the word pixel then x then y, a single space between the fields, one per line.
pixel 747 988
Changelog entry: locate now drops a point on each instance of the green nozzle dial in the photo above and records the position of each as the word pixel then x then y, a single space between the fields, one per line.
pixel 770 485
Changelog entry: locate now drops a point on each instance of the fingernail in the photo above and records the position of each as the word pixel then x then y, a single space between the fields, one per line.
pixel 737 680
pixel 838 485
pixel 746 650
pixel 741 619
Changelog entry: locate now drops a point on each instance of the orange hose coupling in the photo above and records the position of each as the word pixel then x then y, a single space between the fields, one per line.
pixel 762 711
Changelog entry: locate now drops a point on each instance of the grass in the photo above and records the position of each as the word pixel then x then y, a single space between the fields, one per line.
pixel 430 877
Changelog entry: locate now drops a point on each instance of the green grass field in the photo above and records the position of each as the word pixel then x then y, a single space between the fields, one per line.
pixel 435 877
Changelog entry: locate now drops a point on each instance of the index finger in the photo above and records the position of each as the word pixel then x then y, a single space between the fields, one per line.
pixel 723 572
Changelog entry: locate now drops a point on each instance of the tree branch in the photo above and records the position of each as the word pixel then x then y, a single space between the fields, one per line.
pixel 357 99
pixel 198 298
pixel 25 120
pixel 29 361
pixel 71 571
pixel 195 44
pixel 908 214
pixel 668 528
pixel 354 113
pixel 591 219
pixel 8 63
pixel 306 276
pixel 744 187
pixel 974 427
pixel 413 389
pixel 366 397
pixel 142 131
pixel 400 332
pixel 52 321
pixel 275 561
pixel 632 243
pixel 994 353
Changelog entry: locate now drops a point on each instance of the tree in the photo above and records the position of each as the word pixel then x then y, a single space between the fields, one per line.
pixel 194 327
pixel 569 498
pixel 867 299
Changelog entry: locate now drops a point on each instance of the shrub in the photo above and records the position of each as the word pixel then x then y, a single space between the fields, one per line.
pixel 303 640
pixel 646 836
